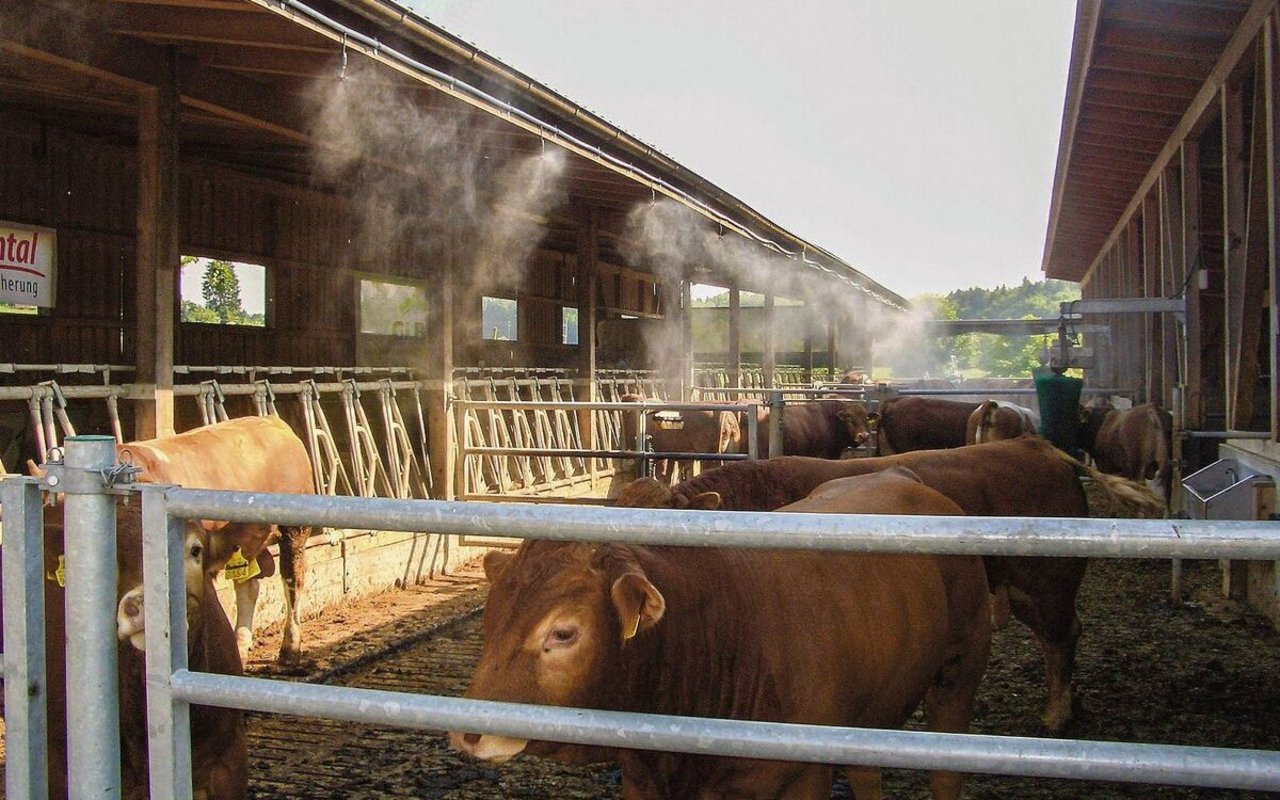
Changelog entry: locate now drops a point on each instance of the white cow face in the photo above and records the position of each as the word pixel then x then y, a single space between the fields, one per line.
pixel 130 618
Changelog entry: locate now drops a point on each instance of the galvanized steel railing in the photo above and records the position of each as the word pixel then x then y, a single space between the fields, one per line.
pixel 172 687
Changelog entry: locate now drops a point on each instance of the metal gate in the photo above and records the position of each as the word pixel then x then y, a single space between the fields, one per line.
pixel 172 687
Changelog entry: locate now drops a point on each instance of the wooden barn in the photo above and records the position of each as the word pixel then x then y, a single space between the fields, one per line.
pixel 389 196
pixel 339 212
pixel 1165 205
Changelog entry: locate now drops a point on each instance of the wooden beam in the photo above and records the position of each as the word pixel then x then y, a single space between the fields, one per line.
pixel 1127 37
pixel 770 355
pixel 1271 78
pixel 1234 171
pixel 158 255
pixel 247 26
pixel 1170 66
pixel 1170 18
pixel 588 279
pixel 1251 293
pixel 1192 356
pixel 735 334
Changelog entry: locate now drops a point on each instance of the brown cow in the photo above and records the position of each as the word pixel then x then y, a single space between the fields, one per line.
pixel 684 431
pixel 1015 477
pixel 909 423
pixel 1136 443
pixel 849 639
pixel 219 756
pixel 819 428
pixel 247 454
pixel 994 420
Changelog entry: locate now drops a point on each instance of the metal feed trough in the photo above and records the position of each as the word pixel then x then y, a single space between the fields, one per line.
pixel 1226 489
pixel 172 687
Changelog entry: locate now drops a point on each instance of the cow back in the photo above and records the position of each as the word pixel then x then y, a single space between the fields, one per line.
pixel 922 423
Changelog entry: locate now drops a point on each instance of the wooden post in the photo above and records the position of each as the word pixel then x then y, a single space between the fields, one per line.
pixel 157 249
pixel 1193 399
pixel 587 290
pixel 833 360
pixel 1151 276
pixel 808 347
pixel 1234 166
pixel 446 465
pixel 1271 82
pixel 686 340
pixel 1171 279
pixel 770 355
pixel 735 336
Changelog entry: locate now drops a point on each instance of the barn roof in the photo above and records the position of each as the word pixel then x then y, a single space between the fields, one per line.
pixel 1141 75
pixel 244 64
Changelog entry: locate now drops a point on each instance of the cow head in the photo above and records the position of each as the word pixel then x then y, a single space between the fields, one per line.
pixel 854 416
pixel 558 618
pixel 130 623
pixel 652 493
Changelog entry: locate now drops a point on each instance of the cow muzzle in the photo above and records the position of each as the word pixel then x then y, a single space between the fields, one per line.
pixel 130 625
pixel 131 618
pixel 487 747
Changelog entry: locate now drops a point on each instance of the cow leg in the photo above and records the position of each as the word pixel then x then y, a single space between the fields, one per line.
pixel 1043 596
pixel 246 605
pixel 293 573
pixel 864 782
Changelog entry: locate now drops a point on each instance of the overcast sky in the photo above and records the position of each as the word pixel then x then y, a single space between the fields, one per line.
pixel 916 140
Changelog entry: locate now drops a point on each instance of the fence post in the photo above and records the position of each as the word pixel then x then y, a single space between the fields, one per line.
pixel 168 720
pixel 93 702
pixel 775 424
pixel 26 770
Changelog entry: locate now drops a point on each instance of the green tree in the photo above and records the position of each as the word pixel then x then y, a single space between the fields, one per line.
pixel 221 290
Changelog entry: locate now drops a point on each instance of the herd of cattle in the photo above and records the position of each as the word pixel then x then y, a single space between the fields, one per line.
pixel 715 632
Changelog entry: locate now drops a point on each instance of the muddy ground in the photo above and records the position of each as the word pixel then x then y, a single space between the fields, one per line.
pixel 1203 673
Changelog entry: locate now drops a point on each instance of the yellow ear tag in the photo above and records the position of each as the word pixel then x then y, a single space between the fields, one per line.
pixel 634 629
pixel 60 574
pixel 240 569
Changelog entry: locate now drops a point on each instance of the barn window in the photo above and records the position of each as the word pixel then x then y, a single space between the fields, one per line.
pixel 392 308
pixel 499 316
pixel 568 325
pixel 222 292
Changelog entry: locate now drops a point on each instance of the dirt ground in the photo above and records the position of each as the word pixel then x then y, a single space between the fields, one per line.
pixel 1201 673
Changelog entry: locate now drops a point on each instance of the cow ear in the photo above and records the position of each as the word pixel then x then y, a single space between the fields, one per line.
pixel 496 563
pixel 639 603
pixel 706 501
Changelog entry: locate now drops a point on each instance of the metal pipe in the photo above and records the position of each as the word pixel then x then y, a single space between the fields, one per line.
pixel 93 708
pixel 26 769
pixel 165 620
pixel 1227 434
pixel 1004 755
pixel 1039 536
pixel 569 452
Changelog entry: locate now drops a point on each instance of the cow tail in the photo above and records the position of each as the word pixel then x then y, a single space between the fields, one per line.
pixel 987 422
pixel 1123 497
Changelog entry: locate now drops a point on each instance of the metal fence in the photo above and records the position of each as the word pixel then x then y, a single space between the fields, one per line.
pixel 172 687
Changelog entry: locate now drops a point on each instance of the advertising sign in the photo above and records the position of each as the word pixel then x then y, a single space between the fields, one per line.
pixel 28 264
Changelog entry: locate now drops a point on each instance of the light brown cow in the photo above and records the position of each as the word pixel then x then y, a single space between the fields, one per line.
pixel 219 754
pixel 905 424
pixel 683 431
pixel 1015 477
pixel 786 636
pixel 247 454
pixel 994 420
pixel 1136 443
